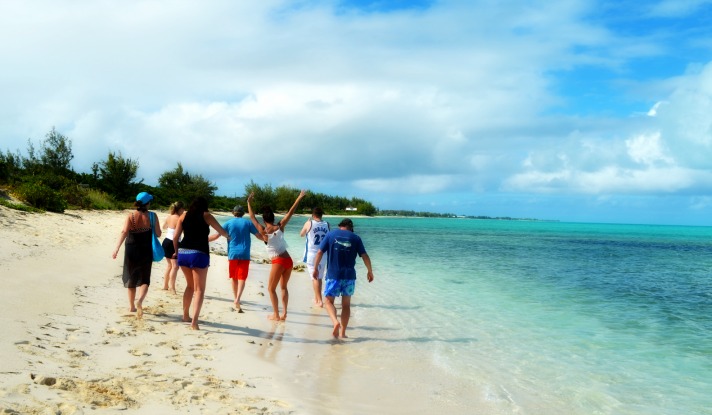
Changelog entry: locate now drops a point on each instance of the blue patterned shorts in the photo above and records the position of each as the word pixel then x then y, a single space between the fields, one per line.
pixel 335 288
pixel 193 259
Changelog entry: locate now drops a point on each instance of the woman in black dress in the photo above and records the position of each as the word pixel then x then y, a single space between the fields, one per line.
pixel 138 251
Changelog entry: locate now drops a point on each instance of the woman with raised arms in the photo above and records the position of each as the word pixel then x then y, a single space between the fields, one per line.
pixel 282 263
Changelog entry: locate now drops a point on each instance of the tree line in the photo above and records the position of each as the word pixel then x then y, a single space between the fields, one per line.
pixel 45 180
pixel 413 213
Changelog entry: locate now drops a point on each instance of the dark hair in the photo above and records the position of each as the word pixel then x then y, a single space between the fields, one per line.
pixel 318 212
pixel 347 223
pixel 140 206
pixel 198 206
pixel 267 214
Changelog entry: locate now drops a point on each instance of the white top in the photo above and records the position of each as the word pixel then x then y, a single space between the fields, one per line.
pixel 276 244
pixel 317 232
pixel 170 232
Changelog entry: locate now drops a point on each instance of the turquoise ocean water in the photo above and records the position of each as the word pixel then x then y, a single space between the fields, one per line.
pixel 540 317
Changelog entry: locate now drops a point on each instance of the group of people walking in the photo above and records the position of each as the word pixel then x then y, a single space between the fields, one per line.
pixel 186 243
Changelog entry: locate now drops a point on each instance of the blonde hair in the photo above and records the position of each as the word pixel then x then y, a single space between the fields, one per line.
pixel 175 207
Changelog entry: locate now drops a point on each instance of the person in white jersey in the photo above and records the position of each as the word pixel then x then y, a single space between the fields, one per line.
pixel 315 229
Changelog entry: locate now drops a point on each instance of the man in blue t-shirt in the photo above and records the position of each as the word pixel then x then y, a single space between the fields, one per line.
pixel 342 245
pixel 238 251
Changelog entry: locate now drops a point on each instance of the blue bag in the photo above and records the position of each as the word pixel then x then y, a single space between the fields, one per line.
pixel 158 253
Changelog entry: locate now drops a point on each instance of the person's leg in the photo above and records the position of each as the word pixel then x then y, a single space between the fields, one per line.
pixel 132 299
pixel 200 278
pixel 167 274
pixel 240 289
pixel 284 280
pixel 345 314
pixel 172 275
pixel 316 285
pixel 188 293
pixel 243 268
pixel 274 275
pixel 235 291
pixel 329 305
pixel 142 291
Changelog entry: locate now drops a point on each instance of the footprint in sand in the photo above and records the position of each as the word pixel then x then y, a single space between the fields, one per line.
pixel 206 346
pixel 77 353
pixel 102 393
pixel 241 384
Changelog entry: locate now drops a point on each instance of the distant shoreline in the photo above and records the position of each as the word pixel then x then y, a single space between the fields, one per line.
pixel 306 215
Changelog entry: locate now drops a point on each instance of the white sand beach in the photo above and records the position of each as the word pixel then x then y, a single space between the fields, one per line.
pixel 70 346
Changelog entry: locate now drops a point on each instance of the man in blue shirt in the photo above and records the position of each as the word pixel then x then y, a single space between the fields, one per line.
pixel 238 251
pixel 342 245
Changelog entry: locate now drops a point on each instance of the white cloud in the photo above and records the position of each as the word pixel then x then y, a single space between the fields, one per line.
pixel 460 97
pixel 414 184
pixel 653 111
pixel 648 149
pixel 607 180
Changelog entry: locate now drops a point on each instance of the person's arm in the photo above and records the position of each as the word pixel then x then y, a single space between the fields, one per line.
pixel 177 234
pixel 367 262
pixel 259 227
pixel 285 219
pixel 213 237
pixel 305 228
pixel 122 236
pixel 317 260
pixel 156 224
pixel 210 220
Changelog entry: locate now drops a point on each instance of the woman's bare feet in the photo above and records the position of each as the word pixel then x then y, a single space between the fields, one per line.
pixel 337 329
pixel 139 311
pixel 273 317
pixel 194 327
pixel 283 317
pixel 186 319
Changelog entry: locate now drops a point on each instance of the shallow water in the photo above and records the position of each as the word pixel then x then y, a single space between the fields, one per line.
pixel 481 316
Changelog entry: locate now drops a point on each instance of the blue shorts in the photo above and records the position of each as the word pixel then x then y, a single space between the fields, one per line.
pixel 335 288
pixel 193 259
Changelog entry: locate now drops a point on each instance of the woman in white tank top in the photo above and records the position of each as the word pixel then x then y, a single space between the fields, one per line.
pixel 169 277
pixel 282 263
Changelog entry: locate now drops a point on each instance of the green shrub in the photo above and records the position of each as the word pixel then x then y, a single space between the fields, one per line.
pixel 19 206
pixel 101 200
pixel 41 196
pixel 76 196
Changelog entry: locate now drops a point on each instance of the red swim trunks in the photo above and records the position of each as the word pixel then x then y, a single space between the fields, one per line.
pixel 239 268
pixel 285 262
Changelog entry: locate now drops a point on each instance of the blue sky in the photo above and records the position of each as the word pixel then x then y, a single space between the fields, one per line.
pixel 586 111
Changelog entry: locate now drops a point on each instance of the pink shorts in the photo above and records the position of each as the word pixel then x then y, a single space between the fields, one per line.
pixel 239 268
pixel 285 262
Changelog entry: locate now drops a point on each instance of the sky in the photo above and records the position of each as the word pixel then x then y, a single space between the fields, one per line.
pixel 571 110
